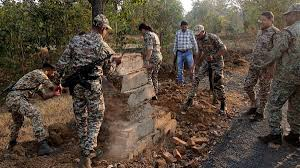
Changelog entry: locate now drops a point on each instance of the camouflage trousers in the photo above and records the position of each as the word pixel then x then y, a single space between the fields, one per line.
pixel 153 73
pixel 20 107
pixel 264 78
pixel 217 68
pixel 89 109
pixel 280 93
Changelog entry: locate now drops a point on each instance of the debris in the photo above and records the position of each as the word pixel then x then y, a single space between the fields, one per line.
pixel 177 154
pixel 169 157
pixel 77 160
pixel 191 142
pixel 178 141
pixel 198 148
pixel 161 163
pixel 199 140
pixel 181 149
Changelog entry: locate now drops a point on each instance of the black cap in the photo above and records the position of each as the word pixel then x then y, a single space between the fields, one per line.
pixel 50 66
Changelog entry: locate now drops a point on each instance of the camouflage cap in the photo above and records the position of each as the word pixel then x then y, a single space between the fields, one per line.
pixel 101 20
pixel 293 8
pixel 198 29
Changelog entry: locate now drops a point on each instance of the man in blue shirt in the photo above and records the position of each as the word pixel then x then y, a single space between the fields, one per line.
pixel 185 42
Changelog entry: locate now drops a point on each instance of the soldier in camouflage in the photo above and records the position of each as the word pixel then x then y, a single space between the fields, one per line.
pixel 286 83
pixel 17 101
pixel 264 43
pixel 153 56
pixel 211 49
pixel 88 103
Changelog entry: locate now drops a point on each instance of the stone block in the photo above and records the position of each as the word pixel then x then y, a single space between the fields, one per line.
pixel 141 112
pixel 131 62
pixel 162 121
pixel 140 95
pixel 170 127
pixel 134 80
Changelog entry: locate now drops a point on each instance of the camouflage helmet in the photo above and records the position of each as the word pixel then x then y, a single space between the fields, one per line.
pixel 293 8
pixel 198 29
pixel 101 20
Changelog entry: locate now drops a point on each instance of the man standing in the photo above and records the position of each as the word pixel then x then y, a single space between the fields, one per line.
pixel 286 82
pixel 34 82
pixel 211 49
pixel 264 44
pixel 88 102
pixel 184 43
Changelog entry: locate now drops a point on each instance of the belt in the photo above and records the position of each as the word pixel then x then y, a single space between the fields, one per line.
pixel 183 51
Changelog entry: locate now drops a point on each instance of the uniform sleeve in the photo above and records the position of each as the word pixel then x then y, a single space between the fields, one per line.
pixel 281 45
pixel 194 42
pixel 148 40
pixel 64 60
pixel 218 42
pixel 45 84
pixel 108 67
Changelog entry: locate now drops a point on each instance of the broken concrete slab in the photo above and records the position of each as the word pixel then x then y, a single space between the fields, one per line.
pixel 134 80
pixel 140 95
pixel 131 62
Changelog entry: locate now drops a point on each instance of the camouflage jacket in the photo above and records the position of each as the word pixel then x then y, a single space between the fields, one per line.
pixel 33 82
pixel 263 45
pixel 286 53
pixel 152 42
pixel 210 45
pixel 83 50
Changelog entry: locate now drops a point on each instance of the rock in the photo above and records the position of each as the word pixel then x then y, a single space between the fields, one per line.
pixel 181 149
pixel 120 165
pixel 177 154
pixel 178 141
pixel 169 157
pixel 191 164
pixel 161 163
pixel 170 127
pixel 191 142
pixel 55 138
pixel 198 148
pixel 19 150
pixel 200 140
pixel 100 162
pixel 77 160
pixel 110 166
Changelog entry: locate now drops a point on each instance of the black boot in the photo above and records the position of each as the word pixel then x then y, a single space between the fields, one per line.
pixel 251 111
pixel 11 144
pixel 275 139
pixel 85 162
pixel 44 148
pixel 187 104
pixel 292 139
pixel 223 108
pixel 257 117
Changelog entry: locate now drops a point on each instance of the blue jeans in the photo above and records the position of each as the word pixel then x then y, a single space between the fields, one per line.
pixel 183 57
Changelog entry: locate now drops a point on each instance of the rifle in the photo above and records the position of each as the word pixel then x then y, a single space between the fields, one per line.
pixel 82 75
pixel 211 75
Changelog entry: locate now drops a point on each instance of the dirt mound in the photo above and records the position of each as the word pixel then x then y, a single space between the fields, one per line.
pixel 60 133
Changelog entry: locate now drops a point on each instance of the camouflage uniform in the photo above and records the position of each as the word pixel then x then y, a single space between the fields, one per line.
pixel 286 82
pixel 264 43
pixel 210 45
pixel 34 82
pixel 88 104
pixel 152 43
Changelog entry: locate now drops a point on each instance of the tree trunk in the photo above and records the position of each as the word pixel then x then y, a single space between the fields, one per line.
pixel 97 7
